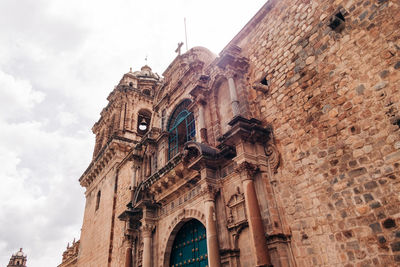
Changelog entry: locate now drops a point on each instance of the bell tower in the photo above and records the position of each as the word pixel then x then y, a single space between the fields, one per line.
pixel 18 259
pixel 129 110
pixel 125 120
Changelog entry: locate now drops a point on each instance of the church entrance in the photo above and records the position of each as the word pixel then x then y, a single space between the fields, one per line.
pixel 190 246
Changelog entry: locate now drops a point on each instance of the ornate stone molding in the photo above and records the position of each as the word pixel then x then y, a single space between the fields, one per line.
pixel 273 156
pixel 147 229
pixel 209 192
pixel 246 170
pixel 237 214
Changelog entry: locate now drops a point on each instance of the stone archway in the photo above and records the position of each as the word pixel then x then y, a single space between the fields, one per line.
pixel 176 224
pixel 190 246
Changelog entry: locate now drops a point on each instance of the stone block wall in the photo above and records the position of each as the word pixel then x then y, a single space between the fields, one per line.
pixel 123 196
pixel 334 105
pixel 95 237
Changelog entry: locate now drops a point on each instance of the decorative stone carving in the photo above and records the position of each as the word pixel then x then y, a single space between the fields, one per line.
pixel 246 170
pixel 237 213
pixel 273 156
pixel 209 192
pixel 147 229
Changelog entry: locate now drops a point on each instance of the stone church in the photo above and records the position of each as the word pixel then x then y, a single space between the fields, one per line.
pixel 282 150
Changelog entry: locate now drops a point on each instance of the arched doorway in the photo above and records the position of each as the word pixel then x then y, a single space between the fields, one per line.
pixel 190 246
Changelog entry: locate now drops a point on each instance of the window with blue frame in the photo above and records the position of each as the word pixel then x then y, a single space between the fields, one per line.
pixel 181 128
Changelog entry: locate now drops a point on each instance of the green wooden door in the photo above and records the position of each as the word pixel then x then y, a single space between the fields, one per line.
pixel 190 246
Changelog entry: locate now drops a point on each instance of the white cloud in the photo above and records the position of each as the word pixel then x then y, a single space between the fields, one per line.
pixel 17 96
pixel 39 186
pixel 67 118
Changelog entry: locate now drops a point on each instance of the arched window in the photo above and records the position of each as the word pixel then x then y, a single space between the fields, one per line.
pixel 181 128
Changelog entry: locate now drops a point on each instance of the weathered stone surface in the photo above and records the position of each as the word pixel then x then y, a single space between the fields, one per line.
pixel 333 102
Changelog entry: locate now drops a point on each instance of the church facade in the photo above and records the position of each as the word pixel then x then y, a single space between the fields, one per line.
pixel 283 150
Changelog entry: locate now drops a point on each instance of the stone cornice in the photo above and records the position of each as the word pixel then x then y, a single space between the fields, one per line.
pixel 115 144
pixel 248 129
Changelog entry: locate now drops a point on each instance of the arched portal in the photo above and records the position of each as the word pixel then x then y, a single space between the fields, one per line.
pixel 190 246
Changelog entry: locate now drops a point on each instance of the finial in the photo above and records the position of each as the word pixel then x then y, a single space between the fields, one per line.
pixel 130 69
pixel 20 249
pixel 68 245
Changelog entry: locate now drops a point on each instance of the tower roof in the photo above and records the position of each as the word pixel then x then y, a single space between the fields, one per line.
pixel 19 253
pixel 144 72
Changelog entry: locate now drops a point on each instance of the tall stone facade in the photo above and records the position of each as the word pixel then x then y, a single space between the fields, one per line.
pixel 18 259
pixel 284 150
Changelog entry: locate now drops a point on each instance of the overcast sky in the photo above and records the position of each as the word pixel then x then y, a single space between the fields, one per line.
pixel 59 59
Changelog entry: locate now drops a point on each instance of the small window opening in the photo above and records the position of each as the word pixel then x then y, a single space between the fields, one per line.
pixel 146 92
pixel 337 22
pixel 98 200
pixel 131 84
pixel 264 81
pixel 397 122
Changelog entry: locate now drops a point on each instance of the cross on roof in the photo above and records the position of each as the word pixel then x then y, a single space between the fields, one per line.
pixel 178 50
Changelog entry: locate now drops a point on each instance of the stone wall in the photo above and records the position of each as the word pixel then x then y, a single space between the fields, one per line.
pixel 95 237
pixel 333 102
pixel 329 78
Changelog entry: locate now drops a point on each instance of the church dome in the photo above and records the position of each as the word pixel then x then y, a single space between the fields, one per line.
pixel 146 72
pixel 20 253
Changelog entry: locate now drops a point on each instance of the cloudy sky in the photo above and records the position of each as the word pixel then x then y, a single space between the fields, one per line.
pixel 59 59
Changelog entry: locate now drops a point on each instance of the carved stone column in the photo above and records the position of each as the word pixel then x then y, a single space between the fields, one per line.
pixel 146 234
pixel 134 249
pixel 233 94
pixel 128 257
pixel 211 230
pixel 247 171
pixel 202 125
